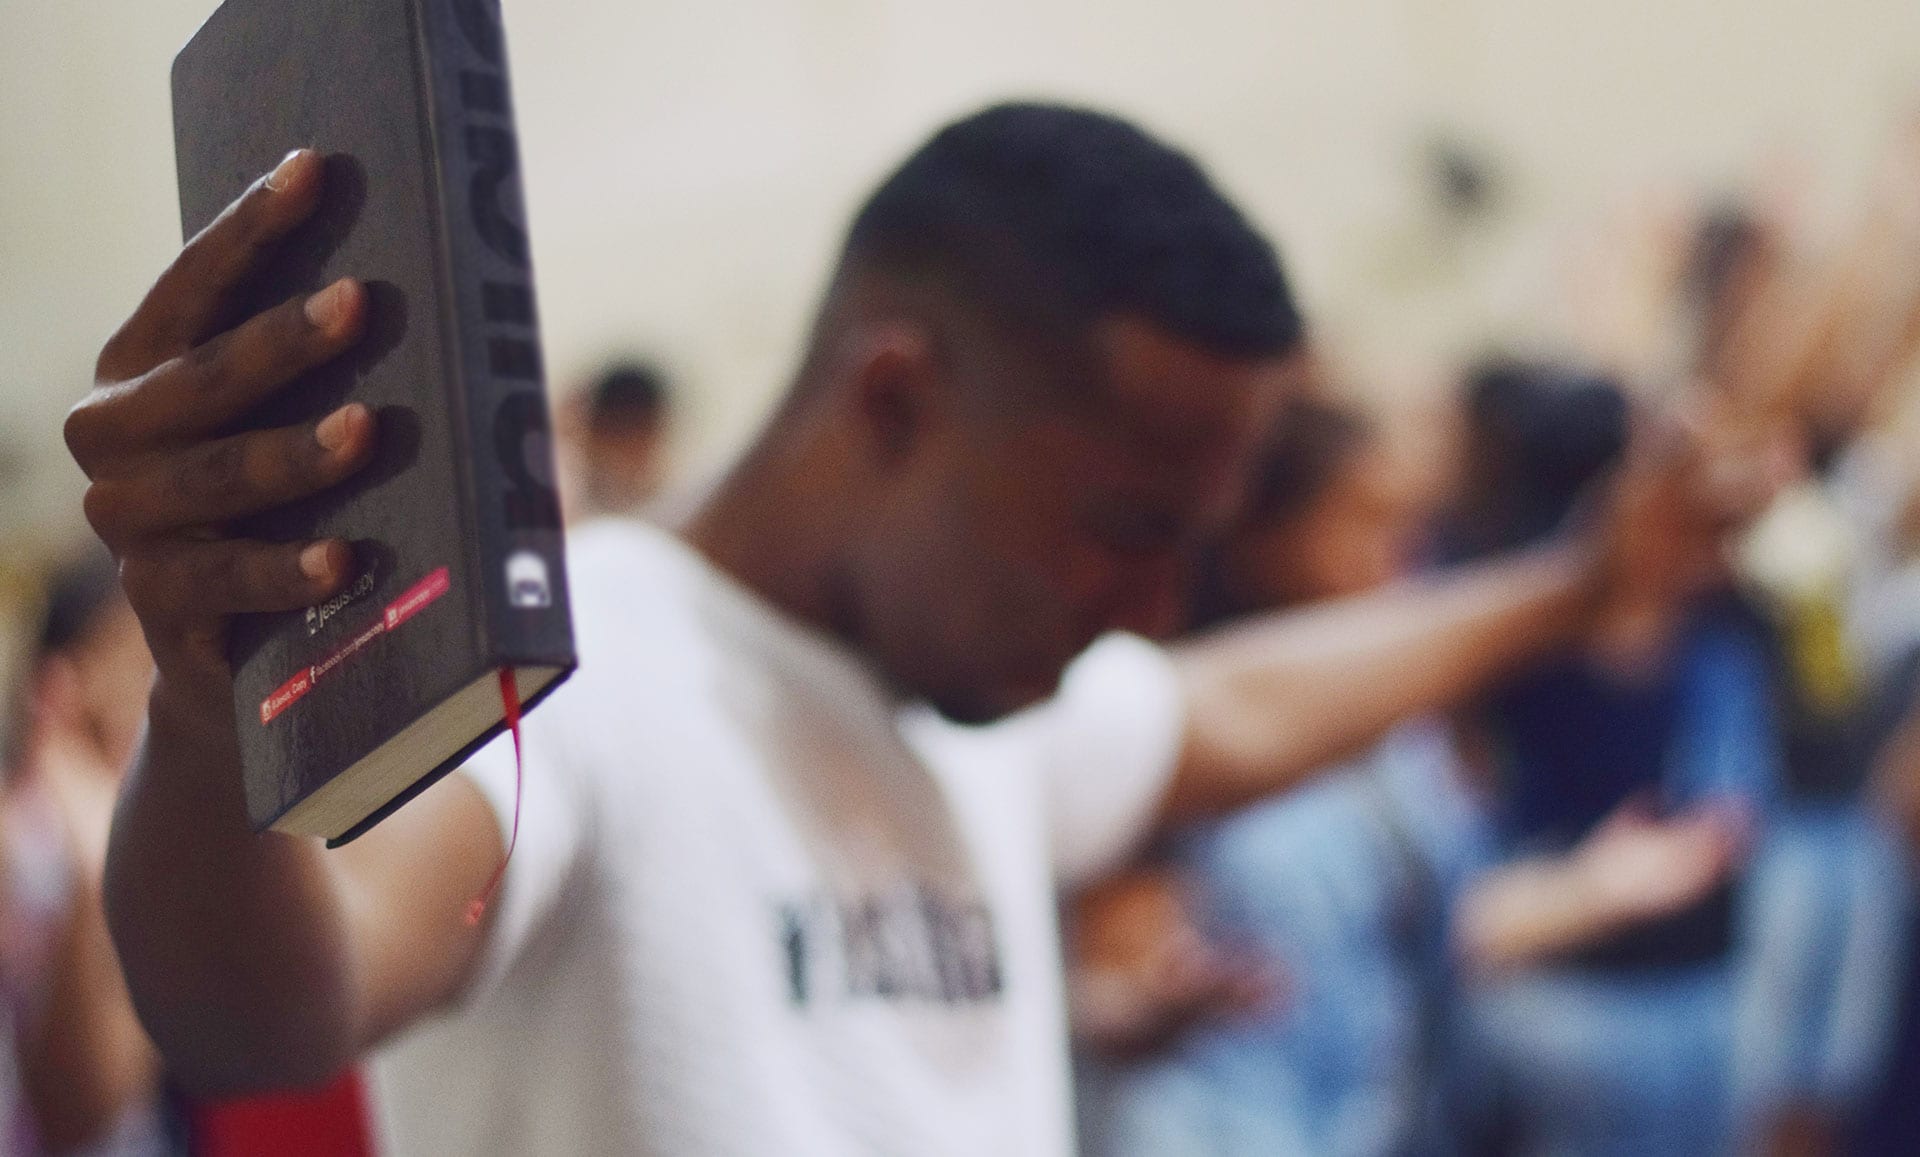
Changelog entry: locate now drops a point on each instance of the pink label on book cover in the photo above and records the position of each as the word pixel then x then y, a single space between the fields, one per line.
pixel 417 598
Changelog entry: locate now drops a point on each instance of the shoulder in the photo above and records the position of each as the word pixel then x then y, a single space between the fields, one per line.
pixel 1120 704
pixel 609 555
pixel 626 578
pixel 639 629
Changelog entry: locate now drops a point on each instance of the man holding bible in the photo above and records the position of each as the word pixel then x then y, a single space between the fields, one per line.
pixel 778 889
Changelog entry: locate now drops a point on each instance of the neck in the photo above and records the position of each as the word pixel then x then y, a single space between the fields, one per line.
pixel 776 525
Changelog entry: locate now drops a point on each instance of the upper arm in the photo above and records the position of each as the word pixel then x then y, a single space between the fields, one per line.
pixel 1246 714
pixel 1277 697
pixel 412 880
pixel 405 890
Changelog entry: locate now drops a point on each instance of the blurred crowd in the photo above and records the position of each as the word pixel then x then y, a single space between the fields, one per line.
pixel 1651 895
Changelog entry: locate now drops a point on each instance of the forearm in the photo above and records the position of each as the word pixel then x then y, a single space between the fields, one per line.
pixel 252 960
pixel 233 944
pixel 1272 700
pixel 1523 914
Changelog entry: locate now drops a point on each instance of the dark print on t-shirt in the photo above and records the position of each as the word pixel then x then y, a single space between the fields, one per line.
pixel 912 943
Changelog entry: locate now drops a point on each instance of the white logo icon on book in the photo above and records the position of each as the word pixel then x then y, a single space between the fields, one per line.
pixel 527 584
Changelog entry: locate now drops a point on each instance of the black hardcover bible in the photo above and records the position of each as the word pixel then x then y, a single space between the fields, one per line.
pixel 349 709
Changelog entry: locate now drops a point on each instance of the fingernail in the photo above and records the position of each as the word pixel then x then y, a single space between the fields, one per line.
pixel 314 561
pixel 331 433
pixel 323 309
pixel 283 172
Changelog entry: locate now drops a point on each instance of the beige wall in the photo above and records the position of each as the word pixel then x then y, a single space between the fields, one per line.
pixel 690 164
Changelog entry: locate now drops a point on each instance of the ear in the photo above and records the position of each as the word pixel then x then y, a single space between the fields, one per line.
pixel 897 390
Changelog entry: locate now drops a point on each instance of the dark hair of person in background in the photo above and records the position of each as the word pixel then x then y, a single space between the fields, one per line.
pixel 627 394
pixel 77 593
pixel 81 595
pixel 1538 437
pixel 1728 247
pixel 1302 456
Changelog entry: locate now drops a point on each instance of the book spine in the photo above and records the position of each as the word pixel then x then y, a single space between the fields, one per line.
pixel 493 337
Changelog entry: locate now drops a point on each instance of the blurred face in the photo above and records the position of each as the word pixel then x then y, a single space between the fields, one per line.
pixel 95 694
pixel 621 464
pixel 1357 535
pixel 1031 518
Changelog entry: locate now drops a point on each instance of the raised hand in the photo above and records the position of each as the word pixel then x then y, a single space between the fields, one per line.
pixel 1635 868
pixel 1141 972
pixel 1630 870
pixel 168 474
pixel 1687 486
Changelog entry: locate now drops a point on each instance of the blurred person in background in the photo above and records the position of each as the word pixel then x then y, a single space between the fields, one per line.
pixel 1329 893
pixel 1680 995
pixel 612 452
pixel 1823 343
pixel 1661 717
pixel 1772 321
pixel 779 889
pixel 89 1079
pixel 1890 1121
pixel 1326 512
pixel 1818 343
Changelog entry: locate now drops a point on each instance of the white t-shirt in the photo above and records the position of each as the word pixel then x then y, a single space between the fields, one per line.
pixel 760 908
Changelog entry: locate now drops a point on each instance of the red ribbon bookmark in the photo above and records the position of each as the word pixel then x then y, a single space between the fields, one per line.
pixel 510 699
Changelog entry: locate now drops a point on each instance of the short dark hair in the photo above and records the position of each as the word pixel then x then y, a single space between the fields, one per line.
pixel 1541 434
pixel 1726 237
pixel 626 394
pixel 78 592
pixel 1054 217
